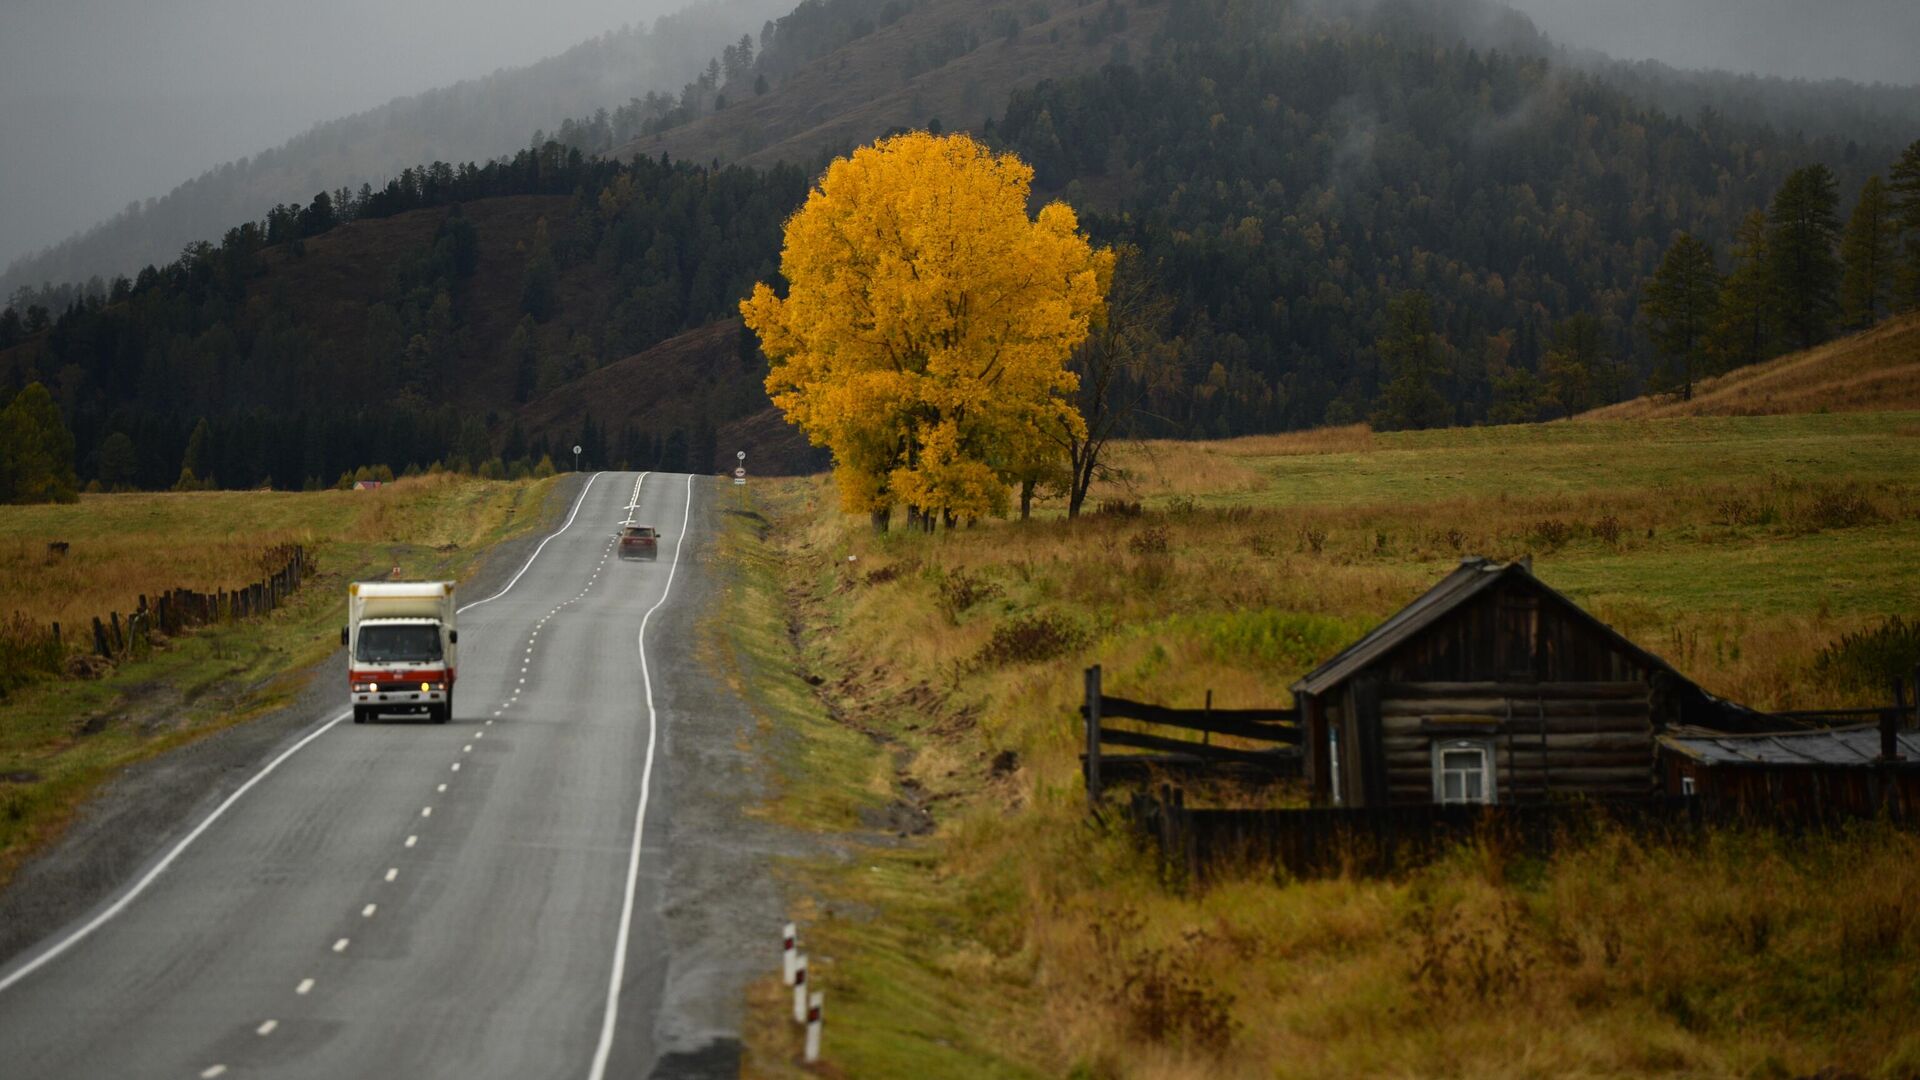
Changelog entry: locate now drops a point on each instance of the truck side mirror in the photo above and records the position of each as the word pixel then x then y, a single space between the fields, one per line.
pixel 343 637
pixel 453 637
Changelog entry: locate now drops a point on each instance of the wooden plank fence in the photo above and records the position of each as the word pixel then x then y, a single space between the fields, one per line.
pixel 1194 844
pixel 173 611
pixel 1278 727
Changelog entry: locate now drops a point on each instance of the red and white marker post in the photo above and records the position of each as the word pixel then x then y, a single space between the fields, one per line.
pixel 813 1028
pixel 790 939
pixel 800 989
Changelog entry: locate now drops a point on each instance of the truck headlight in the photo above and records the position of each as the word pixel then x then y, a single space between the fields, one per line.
pixel 363 688
pixel 424 687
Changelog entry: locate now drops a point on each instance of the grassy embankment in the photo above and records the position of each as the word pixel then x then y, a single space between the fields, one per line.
pixel 60 739
pixel 1018 940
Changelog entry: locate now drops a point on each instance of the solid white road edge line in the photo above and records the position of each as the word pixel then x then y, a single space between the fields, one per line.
pixel 147 879
pixel 605 1049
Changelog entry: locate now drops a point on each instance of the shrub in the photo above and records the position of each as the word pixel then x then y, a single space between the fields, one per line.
pixel 1119 508
pixel 1313 538
pixel 1840 508
pixel 1152 540
pixel 960 591
pixel 28 651
pixel 1738 511
pixel 1551 533
pixel 1029 639
pixel 1608 531
pixel 1871 659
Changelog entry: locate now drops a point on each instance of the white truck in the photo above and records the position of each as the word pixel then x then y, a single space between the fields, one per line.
pixel 402 648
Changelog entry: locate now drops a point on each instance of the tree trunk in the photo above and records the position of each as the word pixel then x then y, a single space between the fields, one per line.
pixel 882 519
pixel 1026 499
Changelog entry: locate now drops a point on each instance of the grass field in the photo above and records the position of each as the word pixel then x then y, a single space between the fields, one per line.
pixel 61 738
pixel 1019 939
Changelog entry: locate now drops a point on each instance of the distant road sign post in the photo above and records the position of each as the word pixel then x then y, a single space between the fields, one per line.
pixel 576 457
pixel 739 476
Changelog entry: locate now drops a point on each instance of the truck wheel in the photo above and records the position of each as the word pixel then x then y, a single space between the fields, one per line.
pixel 361 714
pixel 440 714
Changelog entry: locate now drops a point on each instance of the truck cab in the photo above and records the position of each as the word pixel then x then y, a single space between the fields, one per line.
pixel 402 648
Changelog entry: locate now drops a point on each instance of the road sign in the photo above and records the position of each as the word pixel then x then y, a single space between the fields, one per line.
pixel 741 454
pixel 740 476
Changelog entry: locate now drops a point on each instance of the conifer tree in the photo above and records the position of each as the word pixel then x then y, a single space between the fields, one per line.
pixel 1867 252
pixel 36 450
pixel 1903 206
pixel 1742 334
pixel 1802 226
pixel 1683 300
pixel 1409 348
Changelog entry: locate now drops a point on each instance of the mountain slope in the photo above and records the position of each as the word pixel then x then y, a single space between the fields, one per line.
pixel 979 51
pixel 1875 370
pixel 470 121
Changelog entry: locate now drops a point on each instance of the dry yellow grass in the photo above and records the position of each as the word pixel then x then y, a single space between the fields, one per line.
pixel 121 546
pixel 1871 371
pixel 1734 548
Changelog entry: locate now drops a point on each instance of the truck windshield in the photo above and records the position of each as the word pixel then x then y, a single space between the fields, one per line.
pixel 398 644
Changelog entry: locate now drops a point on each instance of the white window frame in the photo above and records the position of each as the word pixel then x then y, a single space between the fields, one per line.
pixel 1488 788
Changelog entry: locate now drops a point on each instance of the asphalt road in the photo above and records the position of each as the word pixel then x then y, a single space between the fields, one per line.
pixel 551 885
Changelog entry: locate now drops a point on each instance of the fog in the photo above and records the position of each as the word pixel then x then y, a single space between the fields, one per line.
pixel 1861 40
pixel 103 102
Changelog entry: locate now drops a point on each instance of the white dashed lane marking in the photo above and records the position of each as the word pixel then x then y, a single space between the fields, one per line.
pixel 212 1071
pixel 392 872
pixel 305 987
pixel 367 912
pixel 412 840
pixel 266 1028
pixel 340 946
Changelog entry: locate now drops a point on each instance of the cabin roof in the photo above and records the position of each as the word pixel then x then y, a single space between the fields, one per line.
pixel 1857 746
pixel 1474 576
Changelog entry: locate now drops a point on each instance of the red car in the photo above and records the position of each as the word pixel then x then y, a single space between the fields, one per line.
pixel 639 542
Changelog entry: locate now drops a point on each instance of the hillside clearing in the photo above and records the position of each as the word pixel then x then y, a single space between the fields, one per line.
pixel 1021 939
pixel 1871 371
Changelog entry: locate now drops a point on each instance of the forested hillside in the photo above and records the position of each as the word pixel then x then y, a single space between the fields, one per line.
pixel 475 120
pixel 407 326
pixel 1414 213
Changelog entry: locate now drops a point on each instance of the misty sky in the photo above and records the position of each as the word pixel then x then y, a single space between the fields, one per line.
pixel 1862 40
pixel 107 101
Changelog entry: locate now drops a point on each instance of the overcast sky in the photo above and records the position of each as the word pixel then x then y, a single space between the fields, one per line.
pixel 107 101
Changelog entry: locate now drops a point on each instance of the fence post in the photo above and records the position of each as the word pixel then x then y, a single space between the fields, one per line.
pixel 100 638
pixel 1092 710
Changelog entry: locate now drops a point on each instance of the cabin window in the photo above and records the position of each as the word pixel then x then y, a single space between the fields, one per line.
pixel 1686 786
pixel 1463 771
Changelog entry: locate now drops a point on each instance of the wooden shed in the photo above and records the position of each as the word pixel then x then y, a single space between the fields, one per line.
pixel 1494 688
pixel 1860 771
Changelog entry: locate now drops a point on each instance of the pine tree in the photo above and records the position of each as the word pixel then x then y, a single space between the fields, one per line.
pixel 198 461
pixel 1802 227
pixel 1867 250
pixel 1903 206
pixel 36 450
pixel 1579 347
pixel 1410 349
pixel 1683 301
pixel 1742 333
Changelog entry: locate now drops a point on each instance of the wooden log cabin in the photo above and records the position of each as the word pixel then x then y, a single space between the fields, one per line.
pixel 1494 688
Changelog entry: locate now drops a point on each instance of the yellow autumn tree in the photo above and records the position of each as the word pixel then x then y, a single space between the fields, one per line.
pixel 927 323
